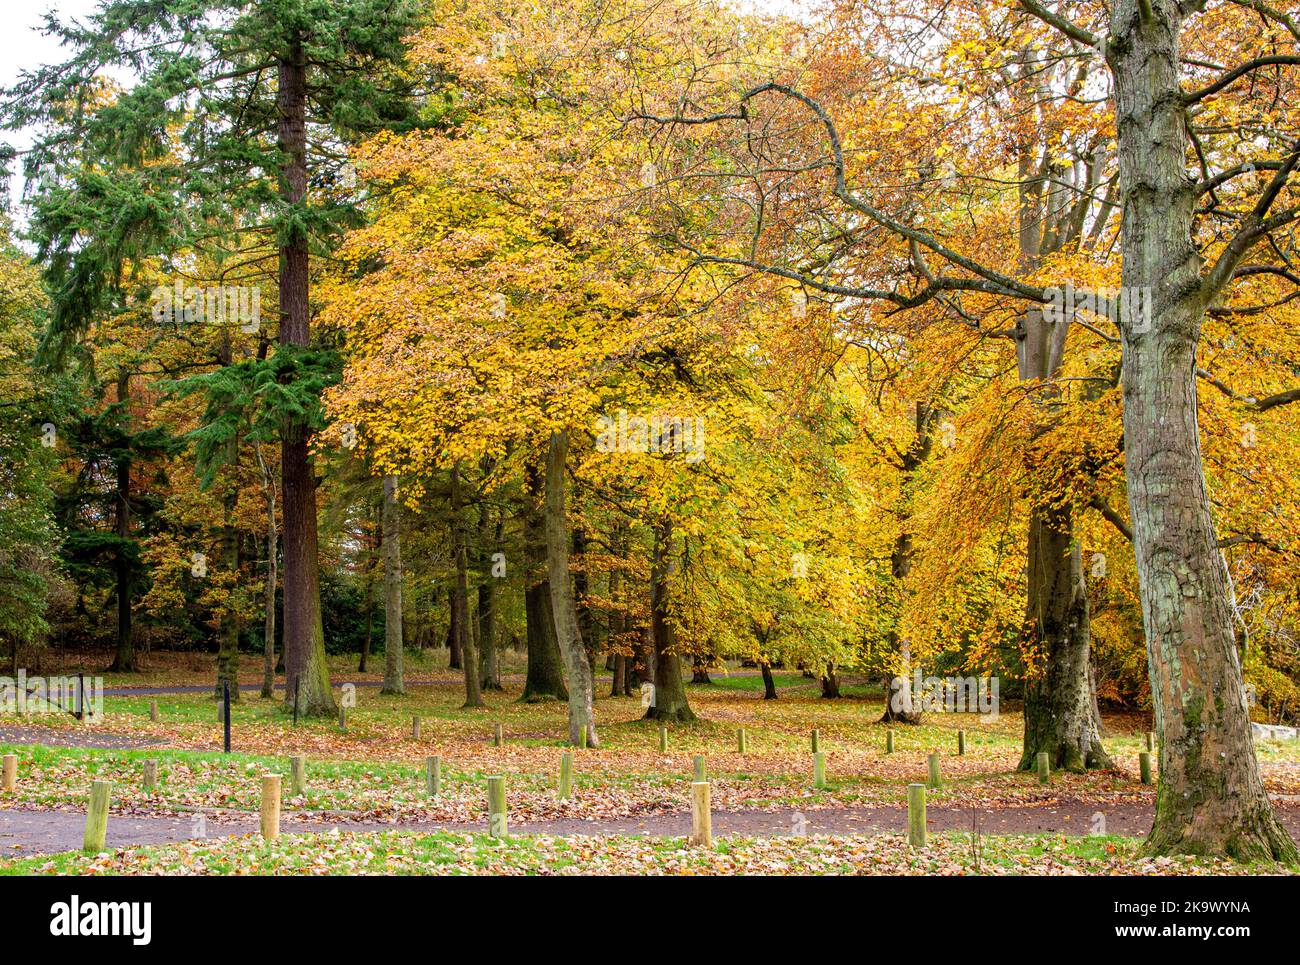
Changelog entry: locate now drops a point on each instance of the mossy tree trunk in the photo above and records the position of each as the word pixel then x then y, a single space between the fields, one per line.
pixel 1210 798
pixel 394 644
pixel 669 703
pixel 545 679
pixel 563 607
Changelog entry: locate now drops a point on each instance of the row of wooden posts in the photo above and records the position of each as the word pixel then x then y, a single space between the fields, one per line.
pixel 701 815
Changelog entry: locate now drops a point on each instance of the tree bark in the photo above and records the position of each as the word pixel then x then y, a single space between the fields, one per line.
pixel 394 645
pixel 830 684
pixel 564 610
pixel 306 671
pixel 1210 798
pixel 545 679
pixel 670 701
pixel 231 623
pixel 487 603
pixel 769 685
pixel 272 580
pixel 1060 711
pixel 460 596
pixel 124 659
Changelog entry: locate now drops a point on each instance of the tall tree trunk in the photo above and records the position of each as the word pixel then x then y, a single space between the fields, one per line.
pixel 487 603
pixel 460 596
pixel 124 660
pixel 394 676
pixel 669 701
pixel 901 705
pixel 454 654
pixel 272 580
pixel 377 547
pixel 545 680
pixel 1060 712
pixel 564 610
pixel 231 623
pixel 830 683
pixel 306 671
pixel 1210 798
pixel 769 685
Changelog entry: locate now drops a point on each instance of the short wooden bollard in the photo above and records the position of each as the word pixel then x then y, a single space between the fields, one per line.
pixel 297 775
pixel 498 736
pixel 1044 767
pixel 889 742
pixel 343 716
pixel 701 772
pixel 935 779
pixel 415 728
pixel 582 736
pixel 150 775
pixel 270 806
pixel 566 776
pixel 740 740
pixel 433 775
pixel 97 816
pixel 9 773
pixel 496 791
pixel 819 770
pixel 1144 765
pixel 961 743
pixel 1151 740
pixel 701 815
pixel 663 739
pixel 916 815
pixel 816 740
pixel 153 711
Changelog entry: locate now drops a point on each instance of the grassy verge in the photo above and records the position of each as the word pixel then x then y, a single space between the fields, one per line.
pixel 451 853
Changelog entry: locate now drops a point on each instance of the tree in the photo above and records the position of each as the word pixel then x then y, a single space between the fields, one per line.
pixel 199 146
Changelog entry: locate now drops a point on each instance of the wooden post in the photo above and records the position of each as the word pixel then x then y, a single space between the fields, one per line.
pixel 343 716
pixel 961 743
pixel 496 788
pixel 566 775
pixel 225 716
pixel 297 775
pixel 916 815
pixel 498 736
pixel 433 774
pixel 153 711
pixel 1151 740
pixel 1044 767
pixel 270 806
pixel 740 740
pixel 1144 765
pixel 582 736
pixel 889 742
pixel 819 770
pixel 97 816
pixel 935 780
pixel 9 773
pixel 816 740
pixel 701 815
pixel 663 739
pixel 701 774
pixel 415 728
pixel 150 775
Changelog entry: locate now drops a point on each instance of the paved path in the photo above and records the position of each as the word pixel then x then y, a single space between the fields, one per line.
pixel 42 832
